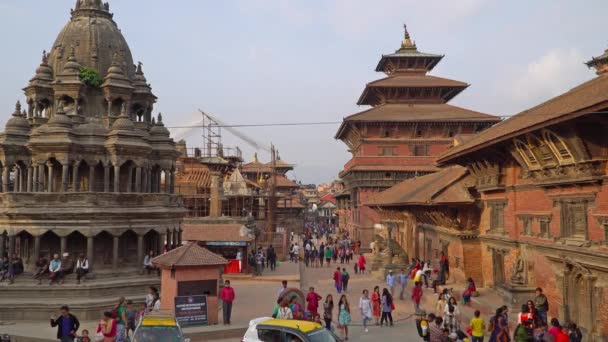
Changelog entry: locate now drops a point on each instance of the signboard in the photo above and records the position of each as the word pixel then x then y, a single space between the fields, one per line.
pixel 226 243
pixel 191 310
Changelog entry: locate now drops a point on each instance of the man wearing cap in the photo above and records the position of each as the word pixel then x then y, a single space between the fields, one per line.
pixel 390 282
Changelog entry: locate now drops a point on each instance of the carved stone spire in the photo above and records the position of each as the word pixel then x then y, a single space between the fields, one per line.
pixel 407 43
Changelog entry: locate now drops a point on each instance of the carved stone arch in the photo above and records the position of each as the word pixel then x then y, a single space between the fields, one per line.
pixel 558 146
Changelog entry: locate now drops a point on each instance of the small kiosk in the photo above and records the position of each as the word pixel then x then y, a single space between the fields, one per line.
pixel 227 240
pixel 190 284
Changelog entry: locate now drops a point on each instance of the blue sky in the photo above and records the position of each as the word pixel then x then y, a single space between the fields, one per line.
pixel 267 61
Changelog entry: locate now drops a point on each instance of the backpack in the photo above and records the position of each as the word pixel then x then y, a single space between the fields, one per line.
pixel 423 331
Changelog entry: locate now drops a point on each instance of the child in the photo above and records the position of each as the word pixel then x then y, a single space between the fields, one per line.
pixel 85 336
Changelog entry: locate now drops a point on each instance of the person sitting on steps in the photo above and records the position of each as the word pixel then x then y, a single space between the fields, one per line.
pixel 55 270
pixel 148 265
pixel 42 267
pixel 82 268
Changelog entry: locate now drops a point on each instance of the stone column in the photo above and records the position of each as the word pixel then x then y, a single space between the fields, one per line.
pixel 2 244
pixel 140 249
pixel 179 237
pixel 23 180
pixel 5 179
pixel 63 245
pixel 144 180
pixel 30 180
pixel 50 182
pixel 75 182
pixel 109 107
pixel 35 179
pixel 115 253
pixel 172 186
pixel 40 177
pixel 161 242
pixel 17 179
pixel 170 240
pixel 65 174
pixel 138 180
pixel 90 249
pixel 130 179
pixel 36 247
pixel 91 178
pixel 175 242
pixel 116 178
pixel 106 178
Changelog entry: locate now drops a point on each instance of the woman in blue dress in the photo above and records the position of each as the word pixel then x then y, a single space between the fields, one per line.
pixel 344 316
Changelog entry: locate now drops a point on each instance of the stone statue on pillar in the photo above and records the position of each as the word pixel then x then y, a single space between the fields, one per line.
pixel 518 270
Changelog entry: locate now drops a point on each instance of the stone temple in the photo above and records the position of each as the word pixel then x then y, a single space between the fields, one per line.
pixel 87 169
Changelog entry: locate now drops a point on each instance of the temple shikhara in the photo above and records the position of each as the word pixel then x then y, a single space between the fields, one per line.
pixel 409 125
pixel 86 168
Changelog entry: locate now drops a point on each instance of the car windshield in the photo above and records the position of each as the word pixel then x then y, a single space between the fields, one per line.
pixel 157 334
pixel 321 335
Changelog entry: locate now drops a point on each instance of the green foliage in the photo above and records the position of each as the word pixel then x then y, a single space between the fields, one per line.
pixel 90 77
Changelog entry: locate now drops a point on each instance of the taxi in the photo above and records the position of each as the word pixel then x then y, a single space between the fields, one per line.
pixel 268 329
pixel 157 327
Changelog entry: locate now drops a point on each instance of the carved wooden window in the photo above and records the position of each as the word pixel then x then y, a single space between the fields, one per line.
pixel 574 219
pixel 557 144
pixel 420 150
pixel 526 153
pixel 386 151
pixel 419 132
pixel 542 150
pixel 497 215
pixel 544 229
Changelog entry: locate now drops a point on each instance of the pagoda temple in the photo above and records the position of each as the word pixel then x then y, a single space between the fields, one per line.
pixel 409 125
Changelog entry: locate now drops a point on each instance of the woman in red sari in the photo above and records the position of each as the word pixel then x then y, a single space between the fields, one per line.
pixel 376 299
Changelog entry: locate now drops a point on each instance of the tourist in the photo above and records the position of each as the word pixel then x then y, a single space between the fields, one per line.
pixel 296 308
pixel 284 310
pixel 328 255
pixel 390 282
pixel 121 319
pixel 555 327
pixel 239 257
pixel 522 332
pixel 107 328
pixel 542 305
pixel 131 314
pixel 67 325
pixel 361 264
pixel 402 278
pixel 55 270
pixel 272 258
pixel 328 311
pixel 376 304
pixel 15 268
pixel 312 299
pixel 365 307
pixel 574 333
pixel 344 316
pixel 148 265
pixel 440 305
pixel 451 320
pixel 387 307
pixel 524 315
pixel 417 295
pixel 67 264
pixel 282 289
pixel 82 267
pixel 84 337
pixel 338 280
pixel 454 303
pixel 478 326
pixel 150 297
pixel 155 303
pixel 227 296
pixel 426 273
pixel 321 253
pixel 439 280
pixel 296 252
pixel 469 290
pixel 436 331
pixel 345 279
pixel 4 265
pixel 42 267
pixel 422 324
pixel 444 264
pixel 499 327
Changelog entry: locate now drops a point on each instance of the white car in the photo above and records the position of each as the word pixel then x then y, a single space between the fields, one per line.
pixel 268 329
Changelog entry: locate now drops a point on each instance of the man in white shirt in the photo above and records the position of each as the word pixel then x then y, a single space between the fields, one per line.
pixel 282 289
pixel 296 252
pixel 82 267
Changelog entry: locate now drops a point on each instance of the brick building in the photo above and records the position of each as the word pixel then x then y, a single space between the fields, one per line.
pixel 540 213
pixel 409 125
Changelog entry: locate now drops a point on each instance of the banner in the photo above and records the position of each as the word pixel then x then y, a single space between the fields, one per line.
pixel 191 310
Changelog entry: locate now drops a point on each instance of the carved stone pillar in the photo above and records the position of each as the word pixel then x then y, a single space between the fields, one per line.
pixel 50 178
pixel 2 244
pixel 170 240
pixel 35 179
pixel 129 179
pixel 175 239
pixel 109 107
pixel 63 245
pixel 115 253
pixel 140 249
pixel 5 179
pixel 179 237
pixel 41 178
pixel 106 178
pixel 91 178
pixel 30 180
pixel 90 249
pixel 116 178
pixel 17 180
pixel 36 247
pixel 138 179
pixel 75 182
pixel 65 173
pixel 23 180
pixel 161 242
pixel 144 180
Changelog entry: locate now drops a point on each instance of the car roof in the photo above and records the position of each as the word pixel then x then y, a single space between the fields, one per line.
pixel 303 326
pixel 159 320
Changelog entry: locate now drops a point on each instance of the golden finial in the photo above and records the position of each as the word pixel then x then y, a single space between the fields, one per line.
pixel 407 41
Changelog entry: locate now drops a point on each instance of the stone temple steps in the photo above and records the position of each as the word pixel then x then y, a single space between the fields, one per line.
pixel 26 300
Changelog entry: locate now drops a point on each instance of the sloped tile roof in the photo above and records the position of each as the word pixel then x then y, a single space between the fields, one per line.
pixel 189 255
pixel 443 187
pixel 563 107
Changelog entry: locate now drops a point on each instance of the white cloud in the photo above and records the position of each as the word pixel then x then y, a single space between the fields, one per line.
pixel 552 74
